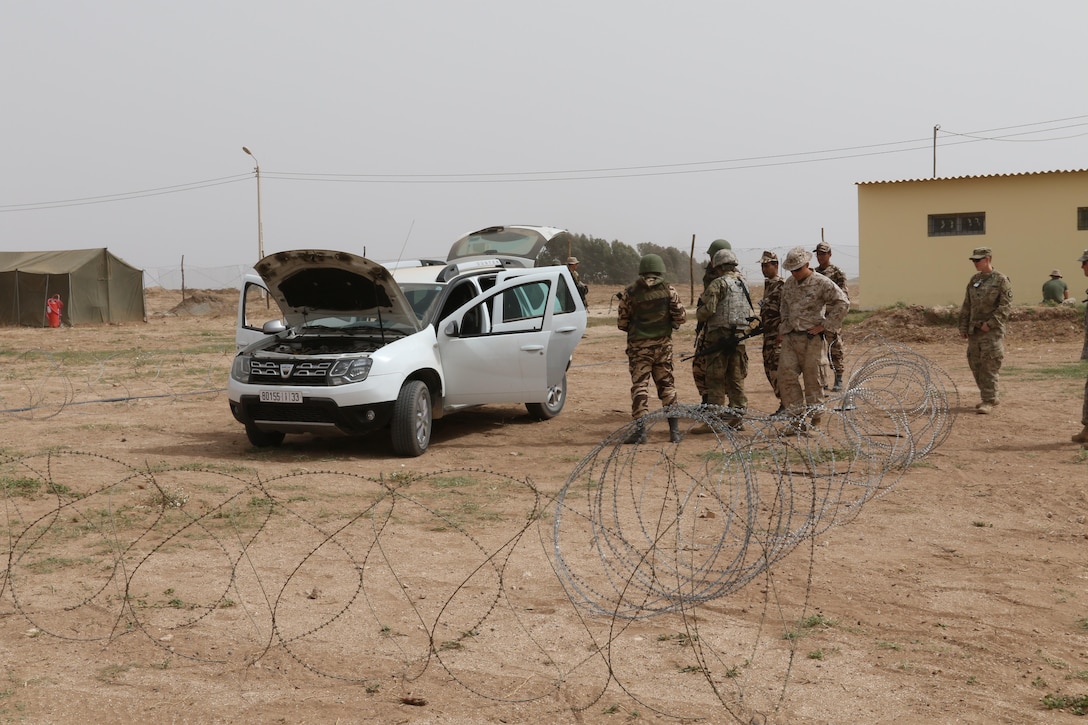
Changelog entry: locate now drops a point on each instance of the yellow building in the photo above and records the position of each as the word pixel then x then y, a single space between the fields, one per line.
pixel 914 236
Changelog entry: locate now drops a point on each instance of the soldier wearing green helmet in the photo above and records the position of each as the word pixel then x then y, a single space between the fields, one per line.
pixel 650 309
pixel 699 363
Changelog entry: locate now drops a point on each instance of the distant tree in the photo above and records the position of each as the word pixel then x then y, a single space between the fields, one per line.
pixel 603 262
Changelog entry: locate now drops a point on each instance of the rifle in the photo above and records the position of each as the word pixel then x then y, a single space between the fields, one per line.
pixel 727 345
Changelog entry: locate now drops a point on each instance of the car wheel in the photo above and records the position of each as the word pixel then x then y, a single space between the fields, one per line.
pixel 411 427
pixel 557 396
pixel 263 438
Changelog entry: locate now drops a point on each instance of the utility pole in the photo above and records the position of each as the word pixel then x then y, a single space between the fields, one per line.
pixel 260 225
pixel 935 129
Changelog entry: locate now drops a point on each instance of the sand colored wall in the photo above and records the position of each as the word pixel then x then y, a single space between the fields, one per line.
pixel 1031 225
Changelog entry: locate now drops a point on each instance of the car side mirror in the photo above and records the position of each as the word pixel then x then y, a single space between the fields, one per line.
pixel 272 327
pixel 451 328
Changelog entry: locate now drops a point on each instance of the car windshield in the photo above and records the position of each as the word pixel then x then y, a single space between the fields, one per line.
pixel 422 297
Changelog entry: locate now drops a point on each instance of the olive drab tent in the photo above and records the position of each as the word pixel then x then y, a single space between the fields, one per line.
pixel 94 285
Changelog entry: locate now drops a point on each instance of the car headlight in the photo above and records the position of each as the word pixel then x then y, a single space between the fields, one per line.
pixel 353 370
pixel 239 369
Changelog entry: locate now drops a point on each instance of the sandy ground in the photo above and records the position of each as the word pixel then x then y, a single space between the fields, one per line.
pixel 161 568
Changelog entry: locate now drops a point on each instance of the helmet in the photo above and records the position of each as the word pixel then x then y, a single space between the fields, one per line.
pixel 716 245
pixel 651 264
pixel 723 257
pixel 797 258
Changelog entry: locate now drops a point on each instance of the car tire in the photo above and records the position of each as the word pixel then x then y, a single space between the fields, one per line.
pixel 263 438
pixel 411 426
pixel 557 397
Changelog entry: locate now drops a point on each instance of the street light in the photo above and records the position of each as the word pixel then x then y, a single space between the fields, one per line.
pixel 260 226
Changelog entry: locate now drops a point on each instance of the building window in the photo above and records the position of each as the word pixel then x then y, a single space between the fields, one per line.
pixel 1082 218
pixel 947 225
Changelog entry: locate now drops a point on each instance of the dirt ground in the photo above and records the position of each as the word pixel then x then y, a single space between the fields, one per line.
pixel 162 569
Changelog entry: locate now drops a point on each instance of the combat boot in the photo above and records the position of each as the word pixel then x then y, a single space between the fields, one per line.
pixel 674 430
pixel 1081 437
pixel 638 435
pixel 837 388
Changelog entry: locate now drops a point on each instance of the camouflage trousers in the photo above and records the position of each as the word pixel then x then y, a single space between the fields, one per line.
pixel 650 360
pixel 985 353
pixel 835 351
pixel 698 364
pixel 725 374
pixel 1084 409
pixel 799 359
pixel 771 350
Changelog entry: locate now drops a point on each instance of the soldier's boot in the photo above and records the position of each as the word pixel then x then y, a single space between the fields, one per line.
pixel 704 400
pixel 638 435
pixel 837 387
pixel 674 430
pixel 1081 437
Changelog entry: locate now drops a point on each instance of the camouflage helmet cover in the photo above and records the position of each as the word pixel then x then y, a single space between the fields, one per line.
pixel 724 257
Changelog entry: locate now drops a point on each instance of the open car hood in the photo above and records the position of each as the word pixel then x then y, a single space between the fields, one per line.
pixel 311 283
pixel 522 244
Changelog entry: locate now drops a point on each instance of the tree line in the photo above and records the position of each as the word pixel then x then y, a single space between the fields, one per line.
pixel 604 262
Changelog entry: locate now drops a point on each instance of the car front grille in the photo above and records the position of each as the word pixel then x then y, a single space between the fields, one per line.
pixel 280 372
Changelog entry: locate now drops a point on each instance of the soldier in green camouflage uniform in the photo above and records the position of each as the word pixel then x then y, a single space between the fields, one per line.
pixel 1082 437
pixel 727 313
pixel 698 363
pixel 769 317
pixel 983 317
pixel 833 340
pixel 812 305
pixel 649 311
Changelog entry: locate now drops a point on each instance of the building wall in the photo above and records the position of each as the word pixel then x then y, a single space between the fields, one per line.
pixel 1031 225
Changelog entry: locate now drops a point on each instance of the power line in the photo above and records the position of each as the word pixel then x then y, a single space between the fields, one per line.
pixel 618 172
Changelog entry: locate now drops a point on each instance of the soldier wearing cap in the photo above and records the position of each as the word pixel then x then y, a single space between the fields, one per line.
pixel 1055 290
pixel 699 363
pixel 1082 437
pixel 769 316
pixel 983 317
pixel 835 351
pixel 649 311
pixel 572 267
pixel 811 306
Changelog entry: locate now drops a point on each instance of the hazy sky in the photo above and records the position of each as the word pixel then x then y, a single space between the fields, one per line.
pixel 397 126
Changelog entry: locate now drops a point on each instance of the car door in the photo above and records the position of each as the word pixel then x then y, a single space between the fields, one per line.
pixel 511 343
pixel 255 308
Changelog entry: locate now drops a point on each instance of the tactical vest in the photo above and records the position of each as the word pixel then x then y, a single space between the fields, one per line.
pixel 734 307
pixel 650 315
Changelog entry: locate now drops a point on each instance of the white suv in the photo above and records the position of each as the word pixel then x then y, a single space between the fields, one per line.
pixel 364 348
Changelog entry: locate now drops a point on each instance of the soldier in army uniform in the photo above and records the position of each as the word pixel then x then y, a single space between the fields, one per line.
pixel 649 311
pixel 727 314
pixel 983 317
pixel 811 306
pixel 769 317
pixel 1082 437
pixel 835 351
pixel 699 362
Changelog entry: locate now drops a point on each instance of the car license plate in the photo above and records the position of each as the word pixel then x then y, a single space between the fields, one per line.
pixel 281 396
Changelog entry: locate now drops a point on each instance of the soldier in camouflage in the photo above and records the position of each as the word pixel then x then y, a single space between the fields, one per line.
pixel 835 351
pixel 811 305
pixel 698 363
pixel 983 317
pixel 1082 437
pixel 769 316
pixel 727 314
pixel 649 311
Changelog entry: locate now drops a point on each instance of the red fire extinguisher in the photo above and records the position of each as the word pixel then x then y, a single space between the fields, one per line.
pixel 53 308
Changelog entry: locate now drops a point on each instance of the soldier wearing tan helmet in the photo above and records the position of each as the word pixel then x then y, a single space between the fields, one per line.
pixel 572 267
pixel 811 305
pixel 699 362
